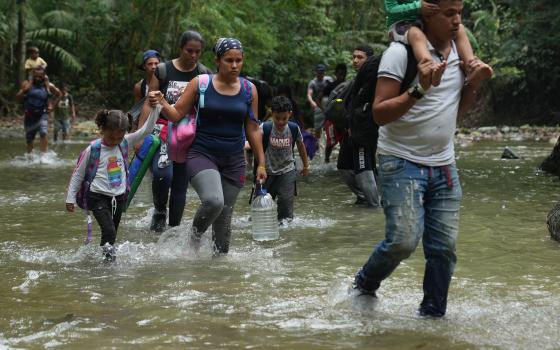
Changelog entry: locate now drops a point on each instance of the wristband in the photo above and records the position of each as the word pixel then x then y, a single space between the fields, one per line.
pixel 261 167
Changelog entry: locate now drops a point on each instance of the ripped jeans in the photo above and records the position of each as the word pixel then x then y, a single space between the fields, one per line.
pixel 419 202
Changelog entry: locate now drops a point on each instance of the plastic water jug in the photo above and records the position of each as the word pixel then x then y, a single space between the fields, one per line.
pixel 264 217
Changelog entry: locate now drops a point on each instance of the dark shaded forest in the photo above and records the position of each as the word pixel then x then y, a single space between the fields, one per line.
pixel 96 45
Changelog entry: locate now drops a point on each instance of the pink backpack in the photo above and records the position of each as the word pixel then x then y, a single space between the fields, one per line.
pixel 180 135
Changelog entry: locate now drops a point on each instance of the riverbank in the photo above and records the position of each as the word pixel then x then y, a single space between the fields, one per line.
pixel 13 127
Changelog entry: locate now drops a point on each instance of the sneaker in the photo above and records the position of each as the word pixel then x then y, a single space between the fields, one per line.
pixel 109 254
pixel 158 222
pixel 362 290
pixel 360 201
pixel 366 292
pixel 428 310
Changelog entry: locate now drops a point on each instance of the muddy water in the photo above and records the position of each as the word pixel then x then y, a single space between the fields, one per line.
pixel 288 294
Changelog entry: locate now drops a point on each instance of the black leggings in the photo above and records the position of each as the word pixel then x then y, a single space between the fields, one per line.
pixel 107 217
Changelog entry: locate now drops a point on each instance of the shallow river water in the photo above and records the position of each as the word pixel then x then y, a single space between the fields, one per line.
pixel 289 294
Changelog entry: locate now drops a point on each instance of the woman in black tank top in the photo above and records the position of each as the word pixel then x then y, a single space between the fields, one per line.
pixel 217 177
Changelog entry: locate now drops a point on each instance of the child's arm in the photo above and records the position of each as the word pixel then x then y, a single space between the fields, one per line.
pixel 76 180
pixel 137 136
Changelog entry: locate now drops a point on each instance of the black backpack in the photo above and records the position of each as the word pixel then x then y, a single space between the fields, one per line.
pixel 363 128
pixel 264 90
pixel 335 109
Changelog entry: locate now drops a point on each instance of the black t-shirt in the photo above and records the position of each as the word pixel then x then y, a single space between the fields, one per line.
pixel 176 82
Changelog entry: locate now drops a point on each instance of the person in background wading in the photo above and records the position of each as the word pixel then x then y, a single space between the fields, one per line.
pixel 64 113
pixel 170 178
pixel 334 134
pixel 150 60
pixel 315 98
pixel 35 94
pixel 357 162
pixel 215 162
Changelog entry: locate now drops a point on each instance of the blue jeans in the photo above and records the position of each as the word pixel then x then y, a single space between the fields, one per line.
pixel 172 177
pixel 419 202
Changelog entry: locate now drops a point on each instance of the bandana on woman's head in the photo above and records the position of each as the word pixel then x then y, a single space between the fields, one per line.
pixel 225 44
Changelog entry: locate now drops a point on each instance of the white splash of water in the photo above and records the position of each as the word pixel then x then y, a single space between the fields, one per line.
pixel 48 159
pixel 31 280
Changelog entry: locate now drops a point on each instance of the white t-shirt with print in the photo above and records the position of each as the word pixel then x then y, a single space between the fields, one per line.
pixel 425 133
pixel 110 177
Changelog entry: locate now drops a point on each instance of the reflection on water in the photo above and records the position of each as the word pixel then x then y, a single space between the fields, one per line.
pixel 293 293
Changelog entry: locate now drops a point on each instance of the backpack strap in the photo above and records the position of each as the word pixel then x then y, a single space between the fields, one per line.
pixel 93 161
pixel 161 73
pixel 294 130
pixel 248 89
pixel 203 81
pixel 411 69
pixel 267 130
pixel 123 147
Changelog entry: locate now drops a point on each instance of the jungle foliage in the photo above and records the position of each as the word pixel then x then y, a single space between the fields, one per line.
pixel 96 45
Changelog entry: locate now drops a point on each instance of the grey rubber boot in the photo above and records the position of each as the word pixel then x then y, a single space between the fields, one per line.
pixel 349 178
pixel 366 183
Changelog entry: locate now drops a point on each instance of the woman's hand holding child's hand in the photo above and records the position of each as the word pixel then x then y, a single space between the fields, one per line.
pixel 155 97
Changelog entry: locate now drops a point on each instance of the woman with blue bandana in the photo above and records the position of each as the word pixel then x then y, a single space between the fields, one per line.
pixel 215 162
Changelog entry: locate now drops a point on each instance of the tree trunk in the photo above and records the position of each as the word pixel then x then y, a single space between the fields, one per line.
pixel 21 42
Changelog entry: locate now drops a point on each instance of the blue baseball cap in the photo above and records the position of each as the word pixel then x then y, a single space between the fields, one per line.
pixel 147 55
pixel 150 54
pixel 320 68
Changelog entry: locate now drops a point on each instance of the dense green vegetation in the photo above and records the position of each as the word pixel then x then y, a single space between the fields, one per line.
pixel 96 45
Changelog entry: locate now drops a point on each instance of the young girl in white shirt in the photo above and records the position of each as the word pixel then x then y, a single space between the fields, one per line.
pixel 109 184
